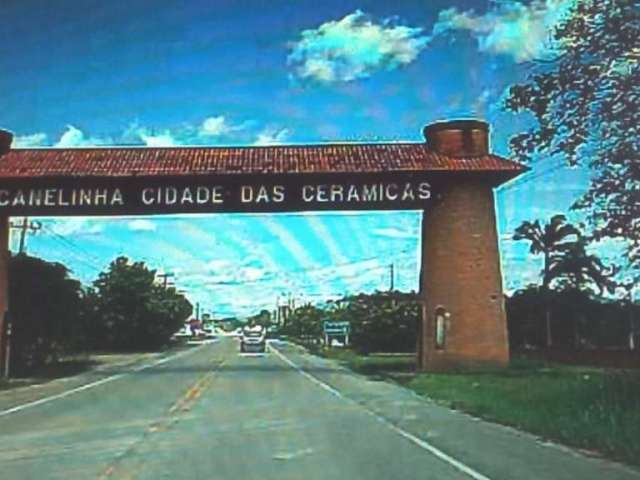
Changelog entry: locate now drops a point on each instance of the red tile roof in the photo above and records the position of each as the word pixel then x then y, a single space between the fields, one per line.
pixel 330 158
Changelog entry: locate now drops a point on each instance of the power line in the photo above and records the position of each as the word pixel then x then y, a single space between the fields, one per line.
pixel 80 255
pixel 270 276
pixel 71 243
pixel 79 258
pixel 529 178
pixel 25 227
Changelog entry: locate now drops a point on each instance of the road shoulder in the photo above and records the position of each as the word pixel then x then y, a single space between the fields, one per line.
pixel 105 365
pixel 495 450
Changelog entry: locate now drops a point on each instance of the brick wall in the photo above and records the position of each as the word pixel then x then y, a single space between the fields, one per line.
pixel 461 274
pixel 4 286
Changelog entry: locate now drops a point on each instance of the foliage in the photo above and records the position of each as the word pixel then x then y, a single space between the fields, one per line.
pixel 305 321
pixel 128 311
pixel 586 106
pixel 565 260
pixel 552 240
pixel 579 320
pixel 380 322
pixel 263 318
pixel 44 311
pixel 577 269
pixel 230 324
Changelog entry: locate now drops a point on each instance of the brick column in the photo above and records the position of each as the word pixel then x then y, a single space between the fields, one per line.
pixel 461 279
pixel 4 285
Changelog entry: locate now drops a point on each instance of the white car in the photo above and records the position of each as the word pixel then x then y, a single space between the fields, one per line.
pixel 184 332
pixel 253 339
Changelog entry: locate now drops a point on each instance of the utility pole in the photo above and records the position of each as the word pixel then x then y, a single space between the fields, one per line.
pixel 632 326
pixel 197 310
pixel 7 350
pixel 25 227
pixel 165 278
pixel 391 277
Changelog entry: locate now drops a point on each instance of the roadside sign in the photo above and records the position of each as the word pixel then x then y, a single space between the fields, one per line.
pixel 336 328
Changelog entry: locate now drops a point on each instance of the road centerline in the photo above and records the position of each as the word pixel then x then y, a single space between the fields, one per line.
pixel 162 424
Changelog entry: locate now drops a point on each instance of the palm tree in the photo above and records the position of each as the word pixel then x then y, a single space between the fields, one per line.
pixel 581 269
pixel 553 241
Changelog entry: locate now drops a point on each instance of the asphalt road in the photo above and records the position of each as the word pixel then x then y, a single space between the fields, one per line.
pixel 211 413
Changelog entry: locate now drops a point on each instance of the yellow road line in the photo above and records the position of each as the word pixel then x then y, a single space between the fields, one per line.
pixel 184 403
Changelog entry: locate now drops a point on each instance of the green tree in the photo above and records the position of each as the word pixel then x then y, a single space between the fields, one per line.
pixel 589 321
pixel 130 312
pixel 586 105
pixel 383 321
pixel 44 309
pixel 566 261
pixel 552 240
pixel 263 318
pixel 380 322
pixel 579 270
pixel 305 323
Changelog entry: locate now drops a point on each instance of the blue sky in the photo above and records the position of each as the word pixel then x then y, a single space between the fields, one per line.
pixel 157 73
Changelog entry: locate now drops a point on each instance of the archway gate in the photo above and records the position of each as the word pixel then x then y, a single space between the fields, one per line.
pixel 450 178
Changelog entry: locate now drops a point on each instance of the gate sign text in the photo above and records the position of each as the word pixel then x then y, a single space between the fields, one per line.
pixel 213 194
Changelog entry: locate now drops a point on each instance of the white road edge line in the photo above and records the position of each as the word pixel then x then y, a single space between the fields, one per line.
pixel 403 433
pixel 87 386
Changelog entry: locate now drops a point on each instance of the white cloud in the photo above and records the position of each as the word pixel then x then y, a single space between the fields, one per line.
pixel 218 126
pixel 354 47
pixel 152 139
pixel 219 264
pixel 206 133
pixel 32 140
pixel 358 270
pixel 74 137
pixel 141 225
pixel 251 274
pixel 187 134
pixel 75 226
pixel 224 272
pixel 394 233
pixel 522 31
pixel 271 136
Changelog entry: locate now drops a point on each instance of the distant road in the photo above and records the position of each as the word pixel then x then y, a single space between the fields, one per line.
pixel 215 414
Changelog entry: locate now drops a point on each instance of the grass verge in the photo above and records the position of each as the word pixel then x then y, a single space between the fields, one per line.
pixel 589 408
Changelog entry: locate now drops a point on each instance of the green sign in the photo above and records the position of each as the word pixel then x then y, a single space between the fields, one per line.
pixel 336 328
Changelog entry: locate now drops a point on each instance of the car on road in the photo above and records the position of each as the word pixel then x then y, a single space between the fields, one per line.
pixel 184 332
pixel 253 339
pixel 209 333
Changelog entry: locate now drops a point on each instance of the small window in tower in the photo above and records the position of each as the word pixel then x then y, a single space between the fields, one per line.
pixel 441 316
